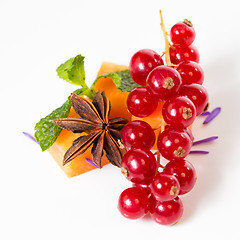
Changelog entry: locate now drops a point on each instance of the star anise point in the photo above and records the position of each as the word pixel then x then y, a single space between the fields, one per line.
pixel 102 133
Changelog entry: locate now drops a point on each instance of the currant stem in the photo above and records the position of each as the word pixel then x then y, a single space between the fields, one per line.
pixel 162 54
pixel 166 41
pixel 158 159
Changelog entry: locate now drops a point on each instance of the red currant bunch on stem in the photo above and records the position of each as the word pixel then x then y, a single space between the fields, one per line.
pixel 178 84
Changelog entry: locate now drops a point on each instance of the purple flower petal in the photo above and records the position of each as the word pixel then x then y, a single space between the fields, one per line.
pixel 91 162
pixel 212 115
pixel 209 139
pixel 205 113
pixel 198 152
pixel 30 136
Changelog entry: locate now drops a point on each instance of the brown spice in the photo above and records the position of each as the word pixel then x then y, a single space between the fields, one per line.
pixel 102 133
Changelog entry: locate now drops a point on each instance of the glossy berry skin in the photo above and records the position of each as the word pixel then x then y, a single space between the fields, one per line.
pixel 186 130
pixel 141 103
pixel 163 82
pixel 133 203
pixel 137 134
pixel 173 144
pixel 151 198
pixel 185 173
pixel 182 34
pixel 164 187
pixel 179 112
pixel 139 166
pixel 190 72
pixel 142 63
pixel 197 94
pixel 168 212
pixel 178 55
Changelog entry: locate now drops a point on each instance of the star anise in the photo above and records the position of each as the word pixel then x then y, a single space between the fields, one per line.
pixel 102 133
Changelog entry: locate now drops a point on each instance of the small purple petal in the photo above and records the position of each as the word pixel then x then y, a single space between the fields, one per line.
pixel 30 136
pixel 205 113
pixel 212 115
pixel 198 152
pixel 209 139
pixel 91 162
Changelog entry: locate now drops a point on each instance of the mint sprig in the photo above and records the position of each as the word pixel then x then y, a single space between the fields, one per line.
pixel 72 71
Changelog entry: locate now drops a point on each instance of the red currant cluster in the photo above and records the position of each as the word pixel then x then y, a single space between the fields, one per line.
pixel 179 86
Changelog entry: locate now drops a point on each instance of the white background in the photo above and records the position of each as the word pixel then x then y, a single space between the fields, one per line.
pixel 37 201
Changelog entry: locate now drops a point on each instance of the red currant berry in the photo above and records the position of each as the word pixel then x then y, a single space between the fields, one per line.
pixel 163 82
pixel 197 94
pixel 142 63
pixel 151 203
pixel 179 112
pixel 191 72
pixel 182 33
pixel 186 130
pixel 139 166
pixel 164 187
pixel 173 144
pixel 151 199
pixel 184 172
pixel 168 212
pixel 178 55
pixel 141 103
pixel 137 134
pixel 133 203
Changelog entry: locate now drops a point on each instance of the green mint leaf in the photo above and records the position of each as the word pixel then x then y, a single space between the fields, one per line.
pixel 46 132
pixel 114 76
pixel 62 70
pixel 73 71
pixel 122 80
pixel 76 73
pixel 127 83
